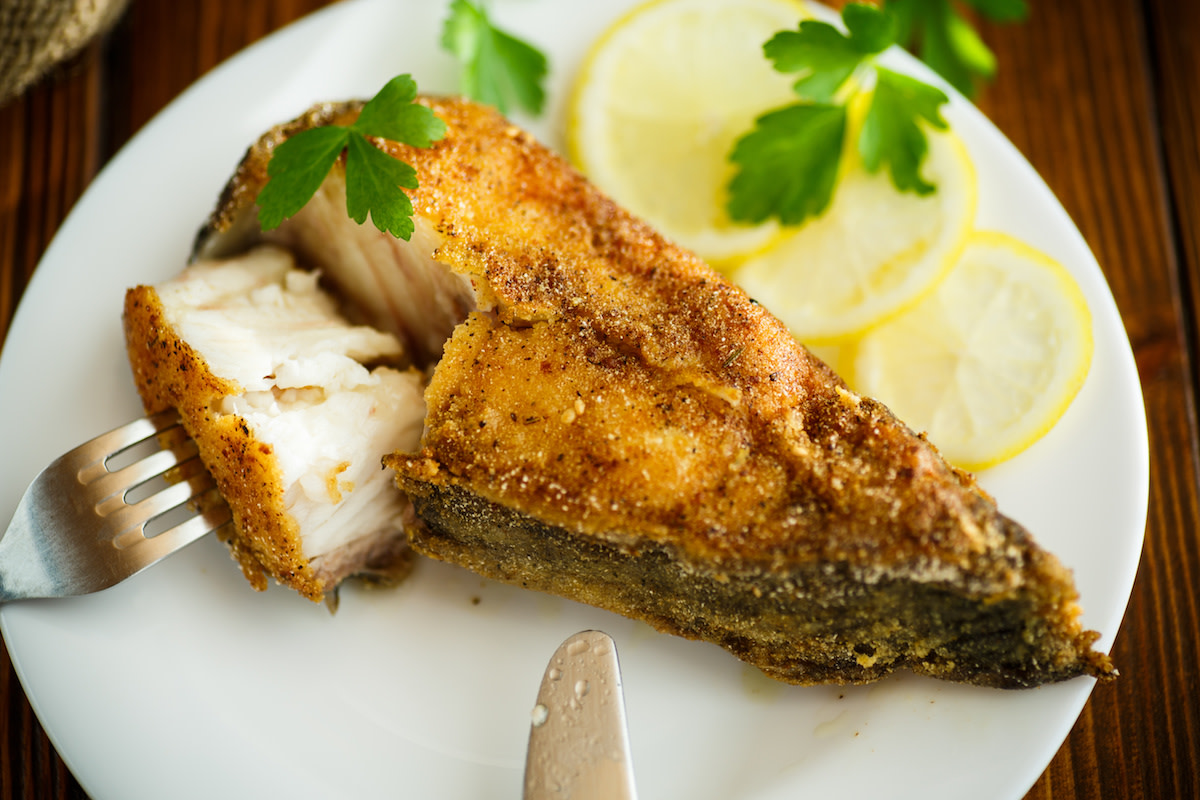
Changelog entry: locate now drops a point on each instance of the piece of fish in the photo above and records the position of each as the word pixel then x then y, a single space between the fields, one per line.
pixel 612 421
pixel 275 386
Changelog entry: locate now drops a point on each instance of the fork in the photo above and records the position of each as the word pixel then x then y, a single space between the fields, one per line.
pixel 106 510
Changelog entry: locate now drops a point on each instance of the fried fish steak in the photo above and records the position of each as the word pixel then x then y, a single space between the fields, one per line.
pixel 290 406
pixel 610 420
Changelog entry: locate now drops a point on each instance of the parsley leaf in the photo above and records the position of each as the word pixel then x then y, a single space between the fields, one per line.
pixel 497 68
pixel 824 56
pixel 295 172
pixel 891 134
pixel 945 40
pixel 374 180
pixel 1002 10
pixel 788 164
pixel 820 53
pixel 871 30
pixel 392 114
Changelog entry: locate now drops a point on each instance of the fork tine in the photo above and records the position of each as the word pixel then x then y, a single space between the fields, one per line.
pixel 128 517
pixel 130 434
pixel 137 473
pixel 66 538
pixel 89 457
pixel 145 552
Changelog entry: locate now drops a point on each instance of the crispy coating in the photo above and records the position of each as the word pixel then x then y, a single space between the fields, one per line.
pixel 170 374
pixel 265 539
pixel 619 424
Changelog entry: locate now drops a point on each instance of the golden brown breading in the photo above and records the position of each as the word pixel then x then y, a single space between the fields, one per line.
pixel 266 539
pixel 170 374
pixel 620 425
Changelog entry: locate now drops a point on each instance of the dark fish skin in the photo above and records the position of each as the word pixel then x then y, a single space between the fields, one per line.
pixel 616 423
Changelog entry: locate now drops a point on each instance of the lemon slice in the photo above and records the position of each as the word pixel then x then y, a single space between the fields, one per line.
pixel 873 252
pixel 663 96
pixel 989 361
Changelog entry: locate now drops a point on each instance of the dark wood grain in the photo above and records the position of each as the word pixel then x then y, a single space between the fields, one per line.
pixel 53 141
pixel 1082 96
pixel 49 152
pixel 1102 97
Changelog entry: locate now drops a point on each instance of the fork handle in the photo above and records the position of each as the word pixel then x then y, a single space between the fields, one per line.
pixel 24 571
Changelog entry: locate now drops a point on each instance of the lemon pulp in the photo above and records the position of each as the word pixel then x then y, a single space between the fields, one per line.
pixel 874 252
pixel 990 360
pixel 663 96
pixel 975 338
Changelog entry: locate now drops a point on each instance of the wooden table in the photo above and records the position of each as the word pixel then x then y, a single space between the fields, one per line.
pixel 1101 96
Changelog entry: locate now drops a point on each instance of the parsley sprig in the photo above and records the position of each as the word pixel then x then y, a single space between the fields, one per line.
pixel 787 165
pixel 945 40
pixel 375 181
pixel 497 68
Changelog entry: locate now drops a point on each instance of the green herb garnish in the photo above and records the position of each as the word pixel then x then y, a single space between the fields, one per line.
pixel 375 181
pixel 945 40
pixel 497 68
pixel 787 165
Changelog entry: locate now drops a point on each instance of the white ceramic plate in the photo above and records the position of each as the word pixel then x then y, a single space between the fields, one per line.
pixel 184 683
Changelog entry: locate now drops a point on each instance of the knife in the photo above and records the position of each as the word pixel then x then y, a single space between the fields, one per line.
pixel 578 741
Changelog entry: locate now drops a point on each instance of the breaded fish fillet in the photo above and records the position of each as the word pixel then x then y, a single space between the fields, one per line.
pixel 273 384
pixel 612 421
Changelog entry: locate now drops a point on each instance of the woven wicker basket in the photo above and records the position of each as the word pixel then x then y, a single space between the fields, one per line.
pixel 37 34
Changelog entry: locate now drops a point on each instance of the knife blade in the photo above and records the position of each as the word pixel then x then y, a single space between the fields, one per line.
pixel 578 739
